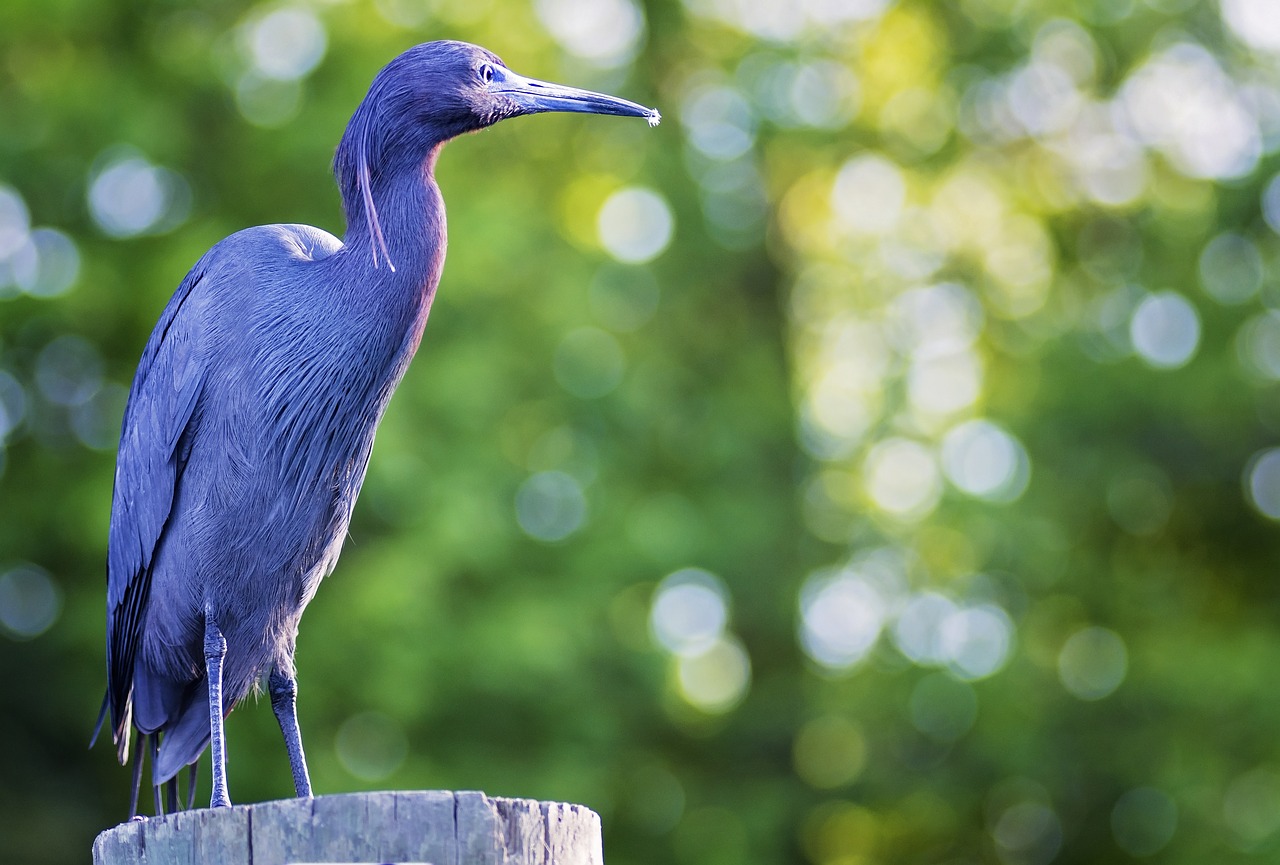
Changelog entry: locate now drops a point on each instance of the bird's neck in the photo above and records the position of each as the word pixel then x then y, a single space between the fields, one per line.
pixel 399 236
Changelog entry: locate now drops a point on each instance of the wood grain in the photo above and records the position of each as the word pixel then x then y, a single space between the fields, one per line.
pixel 422 826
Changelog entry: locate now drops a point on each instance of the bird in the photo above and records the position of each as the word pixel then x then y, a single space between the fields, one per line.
pixel 251 418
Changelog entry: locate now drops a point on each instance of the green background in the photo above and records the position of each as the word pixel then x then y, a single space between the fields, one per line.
pixel 752 341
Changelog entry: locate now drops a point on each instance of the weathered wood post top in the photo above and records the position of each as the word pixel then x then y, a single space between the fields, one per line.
pixel 423 826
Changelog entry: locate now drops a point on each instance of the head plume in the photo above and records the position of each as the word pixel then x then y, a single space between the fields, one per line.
pixel 351 165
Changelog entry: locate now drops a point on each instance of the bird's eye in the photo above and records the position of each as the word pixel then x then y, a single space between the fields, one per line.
pixel 486 73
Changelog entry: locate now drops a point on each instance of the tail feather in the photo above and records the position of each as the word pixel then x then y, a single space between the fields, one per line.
pixel 102 717
pixel 173 717
pixel 185 737
pixel 119 732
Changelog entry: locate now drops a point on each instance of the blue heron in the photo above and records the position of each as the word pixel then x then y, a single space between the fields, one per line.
pixel 252 416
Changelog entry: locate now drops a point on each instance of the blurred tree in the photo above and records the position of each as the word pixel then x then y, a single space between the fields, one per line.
pixel 875 463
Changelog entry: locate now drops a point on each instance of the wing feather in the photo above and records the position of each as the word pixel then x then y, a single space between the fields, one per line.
pixel 159 413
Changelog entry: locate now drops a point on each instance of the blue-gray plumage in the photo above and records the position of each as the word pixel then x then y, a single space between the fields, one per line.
pixel 252 415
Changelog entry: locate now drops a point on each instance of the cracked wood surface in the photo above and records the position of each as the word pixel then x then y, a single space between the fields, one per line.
pixel 423 826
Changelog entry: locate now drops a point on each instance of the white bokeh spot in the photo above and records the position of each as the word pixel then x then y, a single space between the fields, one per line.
pixel 1165 330
pixel 635 224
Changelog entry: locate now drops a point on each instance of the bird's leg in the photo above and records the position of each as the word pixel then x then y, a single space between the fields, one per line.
pixel 284 700
pixel 154 738
pixel 215 650
pixel 191 786
pixel 137 776
pixel 171 796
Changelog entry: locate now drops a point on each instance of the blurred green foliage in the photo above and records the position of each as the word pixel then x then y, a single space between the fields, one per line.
pixel 871 464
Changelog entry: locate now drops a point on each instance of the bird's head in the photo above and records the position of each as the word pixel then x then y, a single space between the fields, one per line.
pixel 453 87
pixel 436 91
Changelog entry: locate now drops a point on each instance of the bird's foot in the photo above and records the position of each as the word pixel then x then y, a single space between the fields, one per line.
pixel 220 797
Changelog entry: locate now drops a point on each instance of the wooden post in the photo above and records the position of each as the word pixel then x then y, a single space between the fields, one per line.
pixel 423 826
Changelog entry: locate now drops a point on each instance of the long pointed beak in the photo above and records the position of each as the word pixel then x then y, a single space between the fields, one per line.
pixel 533 97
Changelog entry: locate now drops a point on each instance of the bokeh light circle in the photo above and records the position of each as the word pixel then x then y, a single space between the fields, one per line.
pixel 902 478
pixel 869 194
pixel 985 461
pixel 635 224
pixel 30 602
pixel 1262 482
pixel 604 32
pixel 1231 268
pixel 717 678
pixel 841 616
pixel 286 43
pixel 589 362
pixel 1165 330
pixel 942 708
pixel 551 506
pixel 1143 821
pixel 689 612
pixel 371 746
pixel 1093 662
